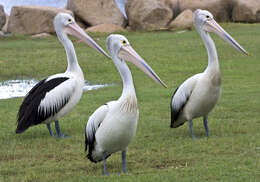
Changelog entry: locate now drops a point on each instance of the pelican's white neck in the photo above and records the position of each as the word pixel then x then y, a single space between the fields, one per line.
pixel 128 84
pixel 73 65
pixel 211 50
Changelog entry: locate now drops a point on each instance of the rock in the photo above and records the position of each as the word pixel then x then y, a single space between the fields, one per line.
pixel 174 5
pixel 41 35
pixel 246 11
pixel 33 19
pixel 94 12
pixel 221 9
pixel 182 21
pixel 4 29
pixel 2 34
pixel 106 28
pixel 148 14
pixel 2 17
pixel 81 23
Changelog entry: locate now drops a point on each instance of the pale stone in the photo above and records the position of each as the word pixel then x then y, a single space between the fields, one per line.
pixel 2 17
pixel 2 34
pixel 105 28
pixel 33 19
pixel 41 35
pixel 148 14
pixel 4 29
pixel 246 11
pixel 182 21
pixel 221 9
pixel 174 5
pixel 94 12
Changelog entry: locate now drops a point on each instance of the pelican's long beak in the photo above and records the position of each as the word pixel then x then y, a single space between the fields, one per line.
pixel 213 26
pixel 127 53
pixel 75 30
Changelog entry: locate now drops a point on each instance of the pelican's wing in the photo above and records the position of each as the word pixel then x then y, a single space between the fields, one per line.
pixel 43 101
pixel 57 97
pixel 93 124
pixel 180 98
pixel 121 5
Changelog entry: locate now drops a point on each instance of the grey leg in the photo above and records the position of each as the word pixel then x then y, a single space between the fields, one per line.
pixel 205 122
pixel 191 129
pixel 49 128
pixel 59 133
pixel 104 162
pixel 124 160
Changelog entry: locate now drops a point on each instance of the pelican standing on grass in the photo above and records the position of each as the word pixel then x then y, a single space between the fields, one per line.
pixel 56 95
pixel 198 95
pixel 112 126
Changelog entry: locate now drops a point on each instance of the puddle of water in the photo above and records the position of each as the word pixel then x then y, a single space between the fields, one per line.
pixel 19 88
pixel 88 86
pixel 15 88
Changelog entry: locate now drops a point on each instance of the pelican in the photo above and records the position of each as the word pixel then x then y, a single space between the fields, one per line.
pixel 112 126
pixel 198 95
pixel 56 95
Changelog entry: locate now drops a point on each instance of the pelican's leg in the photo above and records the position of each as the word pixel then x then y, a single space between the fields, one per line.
pixel 58 131
pixel 124 160
pixel 205 122
pixel 104 162
pixel 191 129
pixel 49 128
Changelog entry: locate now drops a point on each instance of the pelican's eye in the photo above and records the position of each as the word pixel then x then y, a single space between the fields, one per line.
pixel 207 17
pixel 69 20
pixel 124 42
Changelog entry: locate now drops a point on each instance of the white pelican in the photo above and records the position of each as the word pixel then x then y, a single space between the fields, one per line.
pixel 56 95
pixel 198 95
pixel 112 126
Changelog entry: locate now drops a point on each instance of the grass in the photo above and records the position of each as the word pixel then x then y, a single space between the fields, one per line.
pixel 158 153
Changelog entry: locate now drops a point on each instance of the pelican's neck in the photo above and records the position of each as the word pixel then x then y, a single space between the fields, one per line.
pixel 213 64
pixel 125 73
pixel 73 65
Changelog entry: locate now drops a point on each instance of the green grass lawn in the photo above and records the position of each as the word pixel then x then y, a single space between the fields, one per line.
pixel 157 153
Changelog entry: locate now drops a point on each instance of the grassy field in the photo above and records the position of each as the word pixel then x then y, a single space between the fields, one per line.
pixel 158 153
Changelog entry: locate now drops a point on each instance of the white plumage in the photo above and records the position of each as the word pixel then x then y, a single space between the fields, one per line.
pixel 117 129
pixel 70 89
pixel 56 95
pixel 198 95
pixel 112 127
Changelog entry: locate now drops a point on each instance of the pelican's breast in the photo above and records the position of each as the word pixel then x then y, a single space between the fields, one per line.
pixel 119 126
pixel 129 104
pixel 204 96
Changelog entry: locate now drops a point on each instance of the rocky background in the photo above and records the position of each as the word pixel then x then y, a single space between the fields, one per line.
pixel 145 15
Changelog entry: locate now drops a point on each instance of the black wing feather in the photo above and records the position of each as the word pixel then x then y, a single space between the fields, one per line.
pixel 28 114
pixel 175 112
pixel 90 147
pixel 90 142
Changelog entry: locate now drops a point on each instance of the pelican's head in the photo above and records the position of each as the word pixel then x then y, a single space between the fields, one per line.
pixel 62 20
pixel 65 24
pixel 120 47
pixel 204 21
